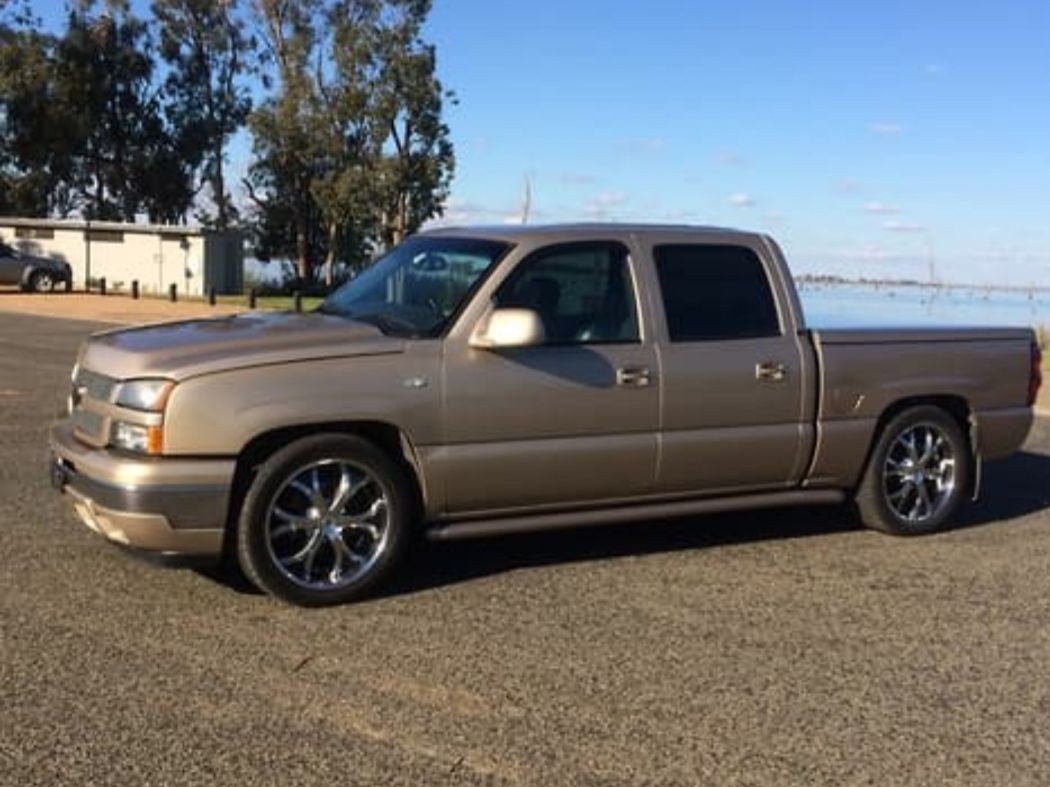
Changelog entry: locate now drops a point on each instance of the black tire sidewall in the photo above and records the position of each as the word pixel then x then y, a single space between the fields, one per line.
pixel 963 468
pixel 252 549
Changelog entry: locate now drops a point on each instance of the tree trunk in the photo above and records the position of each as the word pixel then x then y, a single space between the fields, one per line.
pixel 330 256
pixel 218 187
pixel 302 249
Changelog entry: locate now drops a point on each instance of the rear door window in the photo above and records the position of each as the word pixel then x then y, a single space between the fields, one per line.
pixel 715 292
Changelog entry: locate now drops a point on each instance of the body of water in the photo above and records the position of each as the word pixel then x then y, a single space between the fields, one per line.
pixel 852 305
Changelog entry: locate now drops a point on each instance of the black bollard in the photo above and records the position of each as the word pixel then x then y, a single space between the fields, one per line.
pixel 298 298
pixel 102 286
pixel 135 289
pixel 173 293
pixel 211 296
pixel 251 298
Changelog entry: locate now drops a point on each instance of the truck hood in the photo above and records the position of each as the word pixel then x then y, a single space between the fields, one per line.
pixel 179 350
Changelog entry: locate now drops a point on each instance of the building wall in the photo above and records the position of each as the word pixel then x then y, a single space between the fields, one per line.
pixel 193 260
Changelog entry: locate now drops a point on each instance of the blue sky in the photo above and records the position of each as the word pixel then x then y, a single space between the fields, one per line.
pixel 868 137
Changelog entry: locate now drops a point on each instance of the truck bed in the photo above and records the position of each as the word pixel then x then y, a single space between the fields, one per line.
pixel 864 371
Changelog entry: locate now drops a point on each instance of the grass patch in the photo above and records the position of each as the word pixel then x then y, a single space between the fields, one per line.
pixel 1042 335
pixel 262 302
pixel 284 302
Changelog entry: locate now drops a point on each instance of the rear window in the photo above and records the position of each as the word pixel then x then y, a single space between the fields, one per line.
pixel 715 292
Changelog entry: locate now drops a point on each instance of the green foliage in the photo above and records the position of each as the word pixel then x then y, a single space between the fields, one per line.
pixel 104 76
pixel 351 151
pixel 208 52
pixel 35 141
pixel 119 116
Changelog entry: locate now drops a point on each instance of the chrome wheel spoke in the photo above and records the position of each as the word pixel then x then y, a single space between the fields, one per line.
pixel 343 554
pixel 904 489
pixel 351 523
pixel 307 551
pixel 347 490
pixel 311 494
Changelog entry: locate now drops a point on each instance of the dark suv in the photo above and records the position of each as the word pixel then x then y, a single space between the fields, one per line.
pixel 36 274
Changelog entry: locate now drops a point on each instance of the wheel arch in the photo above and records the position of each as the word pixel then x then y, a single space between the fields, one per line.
pixel 388 437
pixel 954 405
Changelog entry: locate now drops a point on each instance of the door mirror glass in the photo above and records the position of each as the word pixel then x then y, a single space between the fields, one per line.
pixel 509 328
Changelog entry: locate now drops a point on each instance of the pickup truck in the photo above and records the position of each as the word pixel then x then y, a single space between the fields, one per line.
pixel 476 382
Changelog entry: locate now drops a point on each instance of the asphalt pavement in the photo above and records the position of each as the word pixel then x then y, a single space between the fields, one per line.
pixel 780 647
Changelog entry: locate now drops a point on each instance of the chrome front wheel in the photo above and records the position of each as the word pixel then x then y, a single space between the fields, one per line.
pixel 327 524
pixel 325 520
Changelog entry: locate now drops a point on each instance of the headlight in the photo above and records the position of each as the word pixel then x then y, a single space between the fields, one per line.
pixel 137 437
pixel 147 395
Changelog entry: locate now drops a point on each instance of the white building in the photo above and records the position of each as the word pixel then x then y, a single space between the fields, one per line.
pixel 191 258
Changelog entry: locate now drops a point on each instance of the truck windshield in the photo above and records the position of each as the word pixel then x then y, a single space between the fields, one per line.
pixel 418 287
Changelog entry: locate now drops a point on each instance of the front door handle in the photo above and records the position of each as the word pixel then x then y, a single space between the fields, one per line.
pixel 633 377
pixel 771 371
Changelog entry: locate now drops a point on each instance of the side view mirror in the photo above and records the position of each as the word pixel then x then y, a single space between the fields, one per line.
pixel 509 328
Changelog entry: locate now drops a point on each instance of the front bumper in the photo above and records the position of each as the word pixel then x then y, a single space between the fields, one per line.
pixel 167 505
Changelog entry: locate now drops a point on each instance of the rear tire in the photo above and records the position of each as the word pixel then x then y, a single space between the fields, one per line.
pixel 918 474
pixel 325 521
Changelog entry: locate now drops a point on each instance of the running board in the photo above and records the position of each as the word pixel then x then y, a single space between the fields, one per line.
pixel 606 516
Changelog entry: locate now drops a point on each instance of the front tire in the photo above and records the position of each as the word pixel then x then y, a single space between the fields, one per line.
pixel 42 281
pixel 918 473
pixel 325 521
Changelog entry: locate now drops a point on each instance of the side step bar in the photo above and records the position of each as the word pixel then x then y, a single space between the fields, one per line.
pixel 606 516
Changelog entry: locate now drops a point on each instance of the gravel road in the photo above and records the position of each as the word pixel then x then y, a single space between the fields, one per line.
pixel 784 647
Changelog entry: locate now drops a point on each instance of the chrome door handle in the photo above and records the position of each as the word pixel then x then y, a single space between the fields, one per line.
pixel 633 377
pixel 771 371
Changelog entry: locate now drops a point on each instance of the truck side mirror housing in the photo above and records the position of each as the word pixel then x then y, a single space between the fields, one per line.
pixel 506 328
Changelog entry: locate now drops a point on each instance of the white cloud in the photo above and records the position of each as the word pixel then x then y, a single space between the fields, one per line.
pixel 933 69
pixel 741 200
pixel 880 207
pixel 901 226
pixel 461 212
pixel 887 129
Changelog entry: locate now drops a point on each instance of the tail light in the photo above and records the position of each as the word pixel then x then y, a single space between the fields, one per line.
pixel 1035 374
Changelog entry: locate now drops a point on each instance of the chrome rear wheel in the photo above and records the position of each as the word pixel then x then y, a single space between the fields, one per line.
pixel 919 473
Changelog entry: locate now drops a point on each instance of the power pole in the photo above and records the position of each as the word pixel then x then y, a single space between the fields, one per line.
pixel 526 203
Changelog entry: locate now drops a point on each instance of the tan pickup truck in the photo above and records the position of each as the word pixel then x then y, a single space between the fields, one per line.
pixel 475 382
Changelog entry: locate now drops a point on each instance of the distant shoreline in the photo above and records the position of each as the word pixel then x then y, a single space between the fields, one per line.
pixel 813 278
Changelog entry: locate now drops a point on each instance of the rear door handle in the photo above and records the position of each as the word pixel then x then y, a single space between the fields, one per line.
pixel 633 377
pixel 771 371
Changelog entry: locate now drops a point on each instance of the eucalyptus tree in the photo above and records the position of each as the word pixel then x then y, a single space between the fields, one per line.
pixel 209 55
pixel 350 147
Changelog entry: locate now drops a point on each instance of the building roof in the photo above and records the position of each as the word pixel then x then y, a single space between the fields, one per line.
pixel 116 226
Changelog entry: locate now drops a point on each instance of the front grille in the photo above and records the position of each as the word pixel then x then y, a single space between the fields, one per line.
pixel 93 385
pixel 88 425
